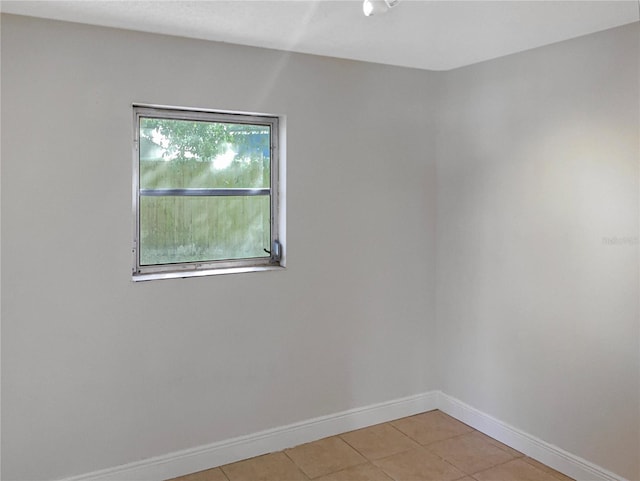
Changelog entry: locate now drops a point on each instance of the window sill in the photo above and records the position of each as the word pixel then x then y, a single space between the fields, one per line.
pixel 202 273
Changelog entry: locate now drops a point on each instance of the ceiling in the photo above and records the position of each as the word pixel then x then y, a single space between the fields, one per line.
pixel 432 35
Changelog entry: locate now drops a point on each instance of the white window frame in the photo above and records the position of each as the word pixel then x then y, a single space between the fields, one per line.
pixel 274 260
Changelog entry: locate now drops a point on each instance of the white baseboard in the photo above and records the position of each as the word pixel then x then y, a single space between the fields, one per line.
pixel 228 451
pixel 554 457
pixel 204 457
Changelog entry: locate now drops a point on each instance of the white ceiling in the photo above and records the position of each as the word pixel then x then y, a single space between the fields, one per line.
pixel 433 35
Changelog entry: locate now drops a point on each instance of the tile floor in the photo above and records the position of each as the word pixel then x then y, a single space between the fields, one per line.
pixel 427 447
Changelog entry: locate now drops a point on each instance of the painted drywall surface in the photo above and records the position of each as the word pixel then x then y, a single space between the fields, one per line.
pixel 537 212
pixel 99 371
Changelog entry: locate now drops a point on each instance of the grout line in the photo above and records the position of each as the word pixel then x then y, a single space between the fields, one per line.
pixel 353 447
pixel 284 451
pixel 492 467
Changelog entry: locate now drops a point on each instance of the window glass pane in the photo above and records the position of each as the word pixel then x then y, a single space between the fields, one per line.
pixel 191 229
pixel 180 154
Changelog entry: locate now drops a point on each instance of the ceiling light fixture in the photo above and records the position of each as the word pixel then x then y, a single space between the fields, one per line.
pixel 372 7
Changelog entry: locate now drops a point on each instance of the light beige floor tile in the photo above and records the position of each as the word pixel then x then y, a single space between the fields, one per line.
pixel 504 447
pixel 547 469
pixel 418 465
pixel 214 474
pixel 470 452
pixel 516 470
pixel 270 467
pixel 379 441
pixel 325 456
pixel 362 472
pixel 430 427
pixel 451 448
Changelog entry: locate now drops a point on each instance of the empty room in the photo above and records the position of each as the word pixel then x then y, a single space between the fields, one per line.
pixel 379 240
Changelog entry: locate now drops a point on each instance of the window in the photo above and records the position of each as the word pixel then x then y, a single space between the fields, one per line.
pixel 205 193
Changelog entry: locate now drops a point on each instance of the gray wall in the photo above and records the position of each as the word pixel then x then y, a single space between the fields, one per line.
pixel 98 371
pixel 538 244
